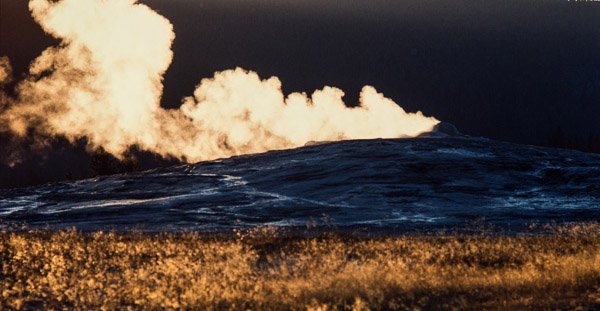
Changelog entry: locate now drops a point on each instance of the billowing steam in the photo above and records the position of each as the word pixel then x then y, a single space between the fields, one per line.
pixel 104 82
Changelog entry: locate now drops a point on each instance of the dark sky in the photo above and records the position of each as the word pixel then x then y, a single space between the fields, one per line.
pixel 509 70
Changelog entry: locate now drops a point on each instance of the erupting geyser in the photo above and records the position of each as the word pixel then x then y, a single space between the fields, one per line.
pixel 104 82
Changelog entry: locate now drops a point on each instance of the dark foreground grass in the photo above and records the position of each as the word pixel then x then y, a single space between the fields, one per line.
pixel 268 270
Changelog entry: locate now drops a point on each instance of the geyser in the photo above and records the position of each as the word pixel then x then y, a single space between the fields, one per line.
pixel 104 82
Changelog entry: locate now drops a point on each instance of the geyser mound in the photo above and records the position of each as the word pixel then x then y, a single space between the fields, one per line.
pixel 390 184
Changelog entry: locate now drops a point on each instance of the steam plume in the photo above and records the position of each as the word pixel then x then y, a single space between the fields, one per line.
pixel 104 82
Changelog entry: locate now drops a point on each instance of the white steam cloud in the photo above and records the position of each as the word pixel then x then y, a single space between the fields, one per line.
pixel 104 82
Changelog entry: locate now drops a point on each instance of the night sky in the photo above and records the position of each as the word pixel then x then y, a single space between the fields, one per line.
pixel 508 70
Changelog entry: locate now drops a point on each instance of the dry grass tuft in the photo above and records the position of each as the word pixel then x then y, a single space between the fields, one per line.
pixel 267 270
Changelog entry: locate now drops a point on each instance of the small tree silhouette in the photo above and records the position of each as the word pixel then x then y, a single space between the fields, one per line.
pixel 103 163
pixel 557 139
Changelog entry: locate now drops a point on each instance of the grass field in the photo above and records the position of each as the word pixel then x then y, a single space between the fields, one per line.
pixel 266 269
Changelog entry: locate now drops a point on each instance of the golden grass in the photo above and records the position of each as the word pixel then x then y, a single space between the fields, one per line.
pixel 267 270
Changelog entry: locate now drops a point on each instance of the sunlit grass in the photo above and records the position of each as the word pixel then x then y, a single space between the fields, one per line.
pixel 265 269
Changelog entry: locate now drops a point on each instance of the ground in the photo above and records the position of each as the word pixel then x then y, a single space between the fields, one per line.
pixel 271 269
